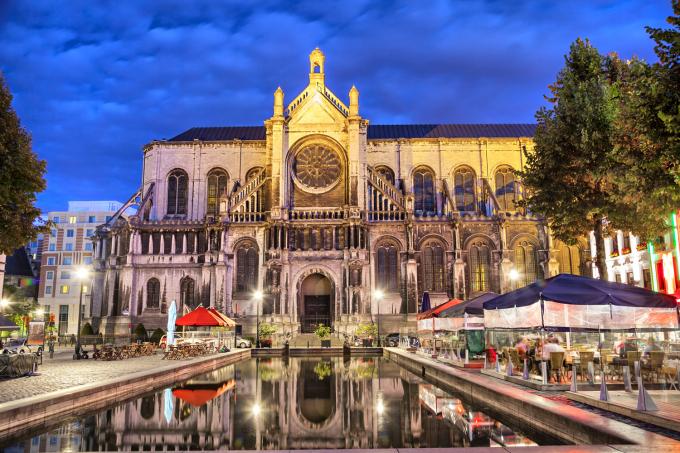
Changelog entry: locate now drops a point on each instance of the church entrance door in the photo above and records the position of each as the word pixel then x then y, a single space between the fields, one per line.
pixel 316 303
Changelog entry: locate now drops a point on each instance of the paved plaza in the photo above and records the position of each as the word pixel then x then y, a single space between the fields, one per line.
pixel 63 372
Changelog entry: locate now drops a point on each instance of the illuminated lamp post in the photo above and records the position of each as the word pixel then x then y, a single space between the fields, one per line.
pixel 378 295
pixel 257 297
pixel 82 273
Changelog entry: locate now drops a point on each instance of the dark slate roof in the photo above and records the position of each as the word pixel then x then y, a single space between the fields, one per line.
pixel 18 264
pixel 217 134
pixel 375 132
pixel 395 131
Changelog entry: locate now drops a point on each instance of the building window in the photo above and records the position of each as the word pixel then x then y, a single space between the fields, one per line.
pixel 464 188
pixel 387 267
pixel 217 190
pixel 48 290
pixel 63 319
pixel 53 247
pixel 49 275
pixel 506 190
pixel 177 192
pixel 187 288
pixel 69 233
pixel 65 275
pixel 88 246
pixel 72 219
pixel 247 263
pixel 433 267
pixel 386 172
pixel 423 190
pixel 108 218
pixel 68 247
pixel 570 257
pixel 646 278
pixel 153 293
pixel 89 232
pixel 63 289
pixel 55 219
pixel 526 263
pixel 50 261
pixel 68 261
pixel 87 260
pixel 480 266
pixel 91 219
pixel 53 232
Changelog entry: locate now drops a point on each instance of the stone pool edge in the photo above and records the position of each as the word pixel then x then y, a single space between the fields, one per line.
pixel 566 422
pixel 22 415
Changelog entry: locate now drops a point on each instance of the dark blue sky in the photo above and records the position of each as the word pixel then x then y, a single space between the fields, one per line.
pixel 93 85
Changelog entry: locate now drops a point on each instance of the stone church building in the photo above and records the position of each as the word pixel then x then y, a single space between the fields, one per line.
pixel 318 209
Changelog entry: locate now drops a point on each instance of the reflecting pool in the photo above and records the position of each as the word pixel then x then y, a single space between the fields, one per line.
pixel 295 403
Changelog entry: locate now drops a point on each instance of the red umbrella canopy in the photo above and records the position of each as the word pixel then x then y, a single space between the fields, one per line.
pixel 229 322
pixel 201 316
pixel 434 312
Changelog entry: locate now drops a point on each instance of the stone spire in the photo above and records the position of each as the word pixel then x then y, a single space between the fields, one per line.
pixel 353 101
pixel 278 102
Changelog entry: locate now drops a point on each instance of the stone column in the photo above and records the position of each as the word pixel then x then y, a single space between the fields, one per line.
pixel 173 245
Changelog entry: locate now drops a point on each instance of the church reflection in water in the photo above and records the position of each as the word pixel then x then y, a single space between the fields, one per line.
pixel 297 403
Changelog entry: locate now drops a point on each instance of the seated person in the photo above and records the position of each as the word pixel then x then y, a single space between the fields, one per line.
pixel 522 347
pixel 651 346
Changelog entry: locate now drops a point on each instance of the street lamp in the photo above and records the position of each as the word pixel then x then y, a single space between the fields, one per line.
pixel 257 297
pixel 378 294
pixel 4 303
pixel 513 275
pixel 82 273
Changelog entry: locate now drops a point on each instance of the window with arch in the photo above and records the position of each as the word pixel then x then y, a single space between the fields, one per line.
pixel 432 265
pixel 480 265
pixel 187 292
pixel 464 188
pixel 387 267
pixel 506 188
pixel 177 192
pixel 570 259
pixel 153 293
pixel 252 172
pixel 423 190
pixel 217 190
pixel 386 172
pixel 526 263
pixel 247 264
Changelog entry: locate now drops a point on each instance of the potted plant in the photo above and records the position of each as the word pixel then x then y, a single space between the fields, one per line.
pixel 367 331
pixel 266 332
pixel 324 333
pixel 323 370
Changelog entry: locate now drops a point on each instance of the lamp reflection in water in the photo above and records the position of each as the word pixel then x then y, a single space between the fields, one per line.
pixel 256 409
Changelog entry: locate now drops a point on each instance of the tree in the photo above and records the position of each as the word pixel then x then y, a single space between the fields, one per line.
pixel 647 134
pixel 21 177
pixel 567 176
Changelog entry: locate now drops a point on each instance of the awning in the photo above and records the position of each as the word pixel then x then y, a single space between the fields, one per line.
pixel 229 322
pixel 435 312
pixel 6 324
pixel 474 306
pixel 201 317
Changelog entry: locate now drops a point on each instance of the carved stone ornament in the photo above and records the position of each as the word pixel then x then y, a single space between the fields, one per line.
pixel 316 169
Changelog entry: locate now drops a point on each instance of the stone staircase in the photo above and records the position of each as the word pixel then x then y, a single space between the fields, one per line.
pixel 304 340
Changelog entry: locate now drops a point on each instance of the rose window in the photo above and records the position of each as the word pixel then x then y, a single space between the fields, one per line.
pixel 317 167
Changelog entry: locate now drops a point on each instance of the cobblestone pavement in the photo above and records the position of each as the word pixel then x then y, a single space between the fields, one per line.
pixel 63 372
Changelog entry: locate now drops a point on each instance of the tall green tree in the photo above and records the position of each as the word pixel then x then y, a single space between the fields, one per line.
pixel 647 133
pixel 21 177
pixel 567 175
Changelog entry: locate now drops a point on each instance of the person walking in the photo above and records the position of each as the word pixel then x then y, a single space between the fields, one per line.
pixel 50 347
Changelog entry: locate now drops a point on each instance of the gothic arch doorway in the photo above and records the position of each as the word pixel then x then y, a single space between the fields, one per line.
pixel 315 302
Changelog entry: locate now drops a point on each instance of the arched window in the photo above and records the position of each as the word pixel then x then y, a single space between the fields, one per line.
pixel 506 188
pixel 387 267
pixel 386 172
pixel 187 289
pixel 423 190
pixel 570 260
pixel 432 266
pixel 153 293
pixel 526 263
pixel 252 172
pixel 177 192
pixel 464 188
pixel 480 266
pixel 217 190
pixel 247 264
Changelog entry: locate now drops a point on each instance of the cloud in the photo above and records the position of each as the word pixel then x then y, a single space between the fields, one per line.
pixel 94 84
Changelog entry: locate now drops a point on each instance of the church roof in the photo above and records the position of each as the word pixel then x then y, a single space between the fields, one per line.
pixel 375 132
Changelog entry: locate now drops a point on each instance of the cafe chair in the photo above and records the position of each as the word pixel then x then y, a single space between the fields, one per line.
pixel 556 365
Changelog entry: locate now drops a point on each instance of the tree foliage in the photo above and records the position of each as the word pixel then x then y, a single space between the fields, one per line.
pixel 568 175
pixel 21 177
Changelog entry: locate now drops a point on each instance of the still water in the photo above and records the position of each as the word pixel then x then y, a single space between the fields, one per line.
pixel 296 403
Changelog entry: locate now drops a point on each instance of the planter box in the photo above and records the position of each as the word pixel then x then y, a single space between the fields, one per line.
pixel 267 343
pixel 325 343
pixel 367 343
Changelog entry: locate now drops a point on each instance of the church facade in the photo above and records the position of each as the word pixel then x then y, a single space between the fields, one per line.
pixel 330 218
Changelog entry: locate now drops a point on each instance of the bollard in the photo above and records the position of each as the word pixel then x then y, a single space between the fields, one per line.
pixel 544 372
pixel 498 365
pixel 508 368
pixel 604 394
pixel 467 359
pixel 485 362
pixel 637 371
pixel 574 386
pixel 626 379
pixel 525 373
pixel 591 372
pixel 645 401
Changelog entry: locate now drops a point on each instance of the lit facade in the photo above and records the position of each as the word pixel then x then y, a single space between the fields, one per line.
pixel 317 209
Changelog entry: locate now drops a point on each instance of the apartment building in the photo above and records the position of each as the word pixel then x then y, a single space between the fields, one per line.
pixel 64 250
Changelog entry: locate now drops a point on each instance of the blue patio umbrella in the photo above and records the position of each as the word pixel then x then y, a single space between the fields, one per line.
pixel 425 305
pixel 172 318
